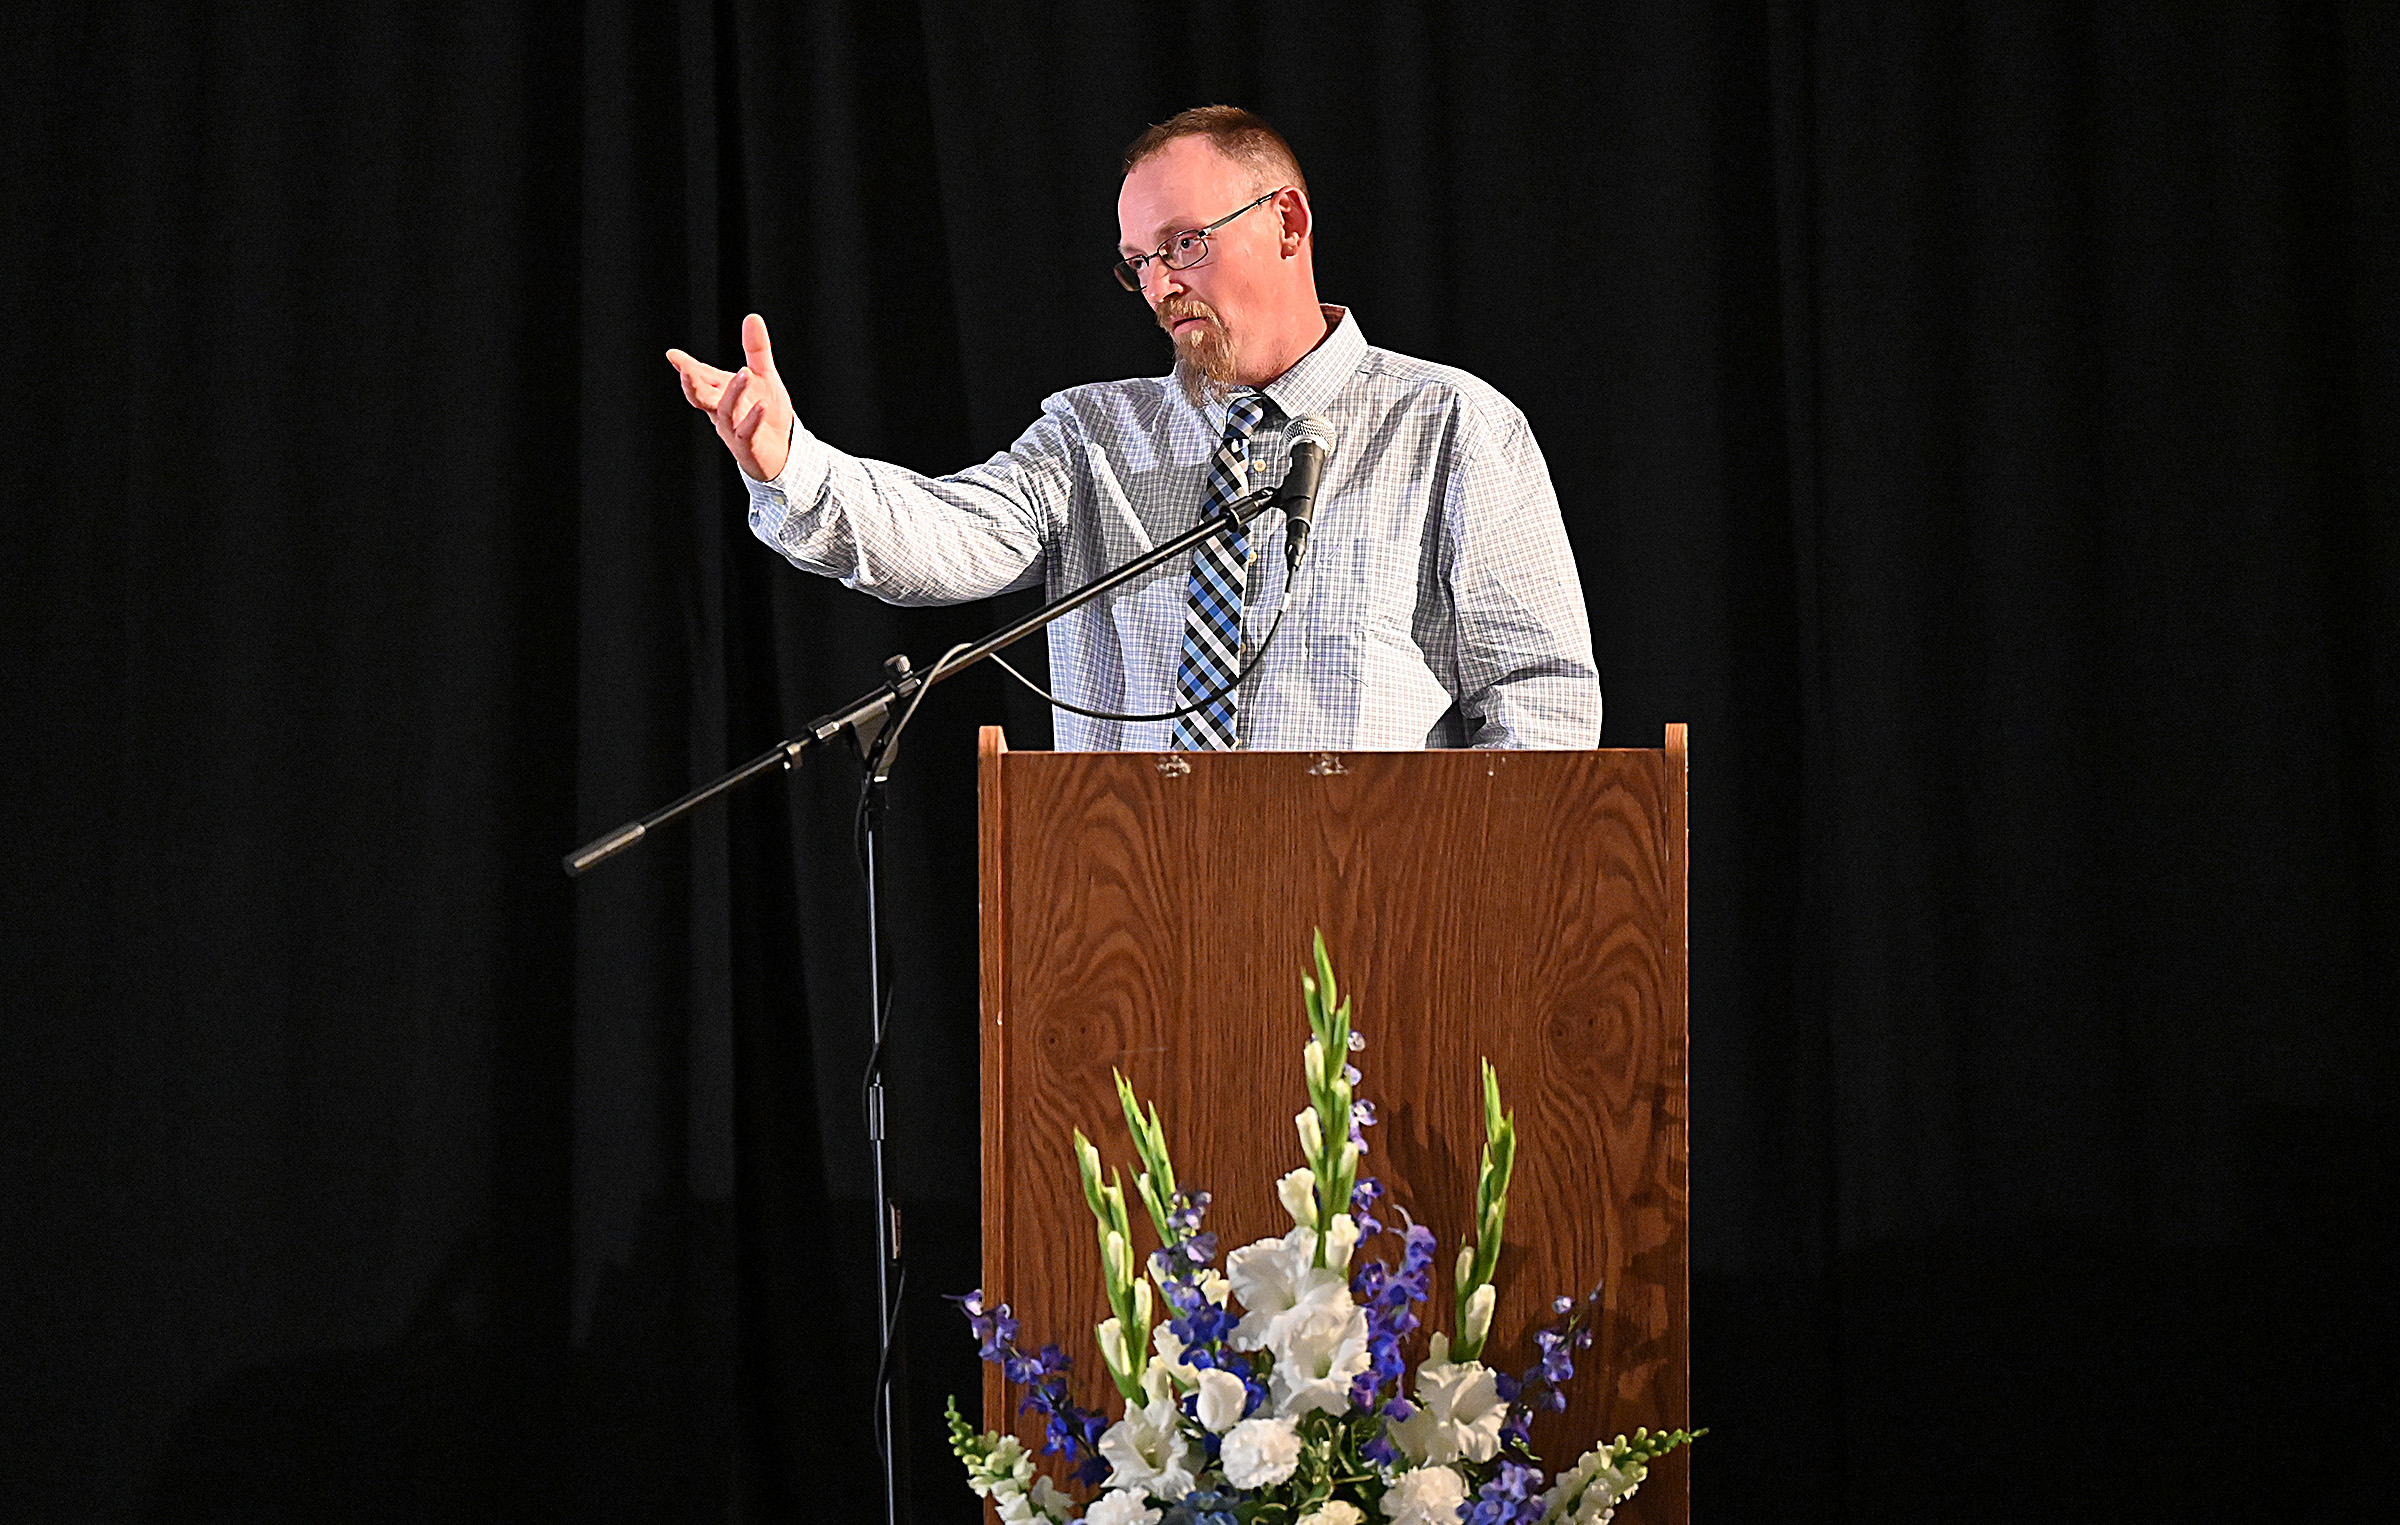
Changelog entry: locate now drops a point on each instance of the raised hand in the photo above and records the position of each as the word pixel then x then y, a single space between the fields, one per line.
pixel 751 407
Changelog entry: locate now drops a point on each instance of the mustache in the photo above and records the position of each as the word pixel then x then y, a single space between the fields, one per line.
pixel 1173 310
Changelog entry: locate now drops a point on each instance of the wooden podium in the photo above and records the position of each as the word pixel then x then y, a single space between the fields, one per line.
pixel 1152 912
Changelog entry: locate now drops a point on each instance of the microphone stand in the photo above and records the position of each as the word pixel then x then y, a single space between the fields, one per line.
pixel 863 720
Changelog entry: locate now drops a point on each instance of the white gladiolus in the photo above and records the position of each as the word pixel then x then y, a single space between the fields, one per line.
pixel 1222 1399
pixel 1426 1496
pixel 1319 1344
pixel 1458 1415
pixel 1214 1286
pixel 1273 1275
pixel 1146 1451
pixel 1115 1258
pixel 1341 1237
pixel 1158 1383
pixel 1259 1453
pixel 1110 1336
pixel 1478 1322
pixel 1046 1503
pixel 1312 1133
pixel 1312 1064
pixel 1167 1348
pixel 1053 1501
pixel 1141 1303
pixel 1123 1507
pixel 1297 1190
pixel 1334 1512
pixel 1466 1264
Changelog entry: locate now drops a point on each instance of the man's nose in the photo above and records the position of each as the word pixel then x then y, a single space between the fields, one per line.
pixel 1162 283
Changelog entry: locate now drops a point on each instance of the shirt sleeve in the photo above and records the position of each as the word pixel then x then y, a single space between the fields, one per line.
pixel 1524 657
pixel 912 539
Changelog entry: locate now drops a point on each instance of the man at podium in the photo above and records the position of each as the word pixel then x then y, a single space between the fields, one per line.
pixel 1438 605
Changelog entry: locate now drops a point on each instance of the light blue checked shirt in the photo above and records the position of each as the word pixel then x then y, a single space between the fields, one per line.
pixel 1438 606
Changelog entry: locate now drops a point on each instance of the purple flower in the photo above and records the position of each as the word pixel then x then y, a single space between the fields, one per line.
pixel 1542 1385
pixel 1202 1508
pixel 1512 1497
pixel 1365 1192
pixel 1390 1298
pixel 1067 1430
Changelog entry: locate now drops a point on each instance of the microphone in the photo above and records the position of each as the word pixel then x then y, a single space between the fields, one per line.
pixel 1311 441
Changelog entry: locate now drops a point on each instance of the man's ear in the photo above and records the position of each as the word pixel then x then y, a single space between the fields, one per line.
pixel 1292 208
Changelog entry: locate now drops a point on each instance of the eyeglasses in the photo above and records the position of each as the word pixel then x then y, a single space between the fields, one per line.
pixel 1184 250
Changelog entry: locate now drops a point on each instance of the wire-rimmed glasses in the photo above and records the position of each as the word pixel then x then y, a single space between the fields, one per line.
pixel 1184 250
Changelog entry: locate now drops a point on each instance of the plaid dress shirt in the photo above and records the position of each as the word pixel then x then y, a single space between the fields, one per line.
pixel 1438 606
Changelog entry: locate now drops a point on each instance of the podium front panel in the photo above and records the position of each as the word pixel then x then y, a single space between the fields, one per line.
pixel 1151 913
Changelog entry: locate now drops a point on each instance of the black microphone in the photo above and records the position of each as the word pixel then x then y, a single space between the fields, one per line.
pixel 1311 441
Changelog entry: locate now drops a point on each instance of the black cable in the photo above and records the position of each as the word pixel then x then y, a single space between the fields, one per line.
pixel 883 1365
pixel 861 822
pixel 1193 708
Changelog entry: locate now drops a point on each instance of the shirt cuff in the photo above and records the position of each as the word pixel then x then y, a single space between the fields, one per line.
pixel 797 486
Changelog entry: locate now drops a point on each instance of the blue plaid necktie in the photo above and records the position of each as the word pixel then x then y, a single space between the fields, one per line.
pixel 1212 620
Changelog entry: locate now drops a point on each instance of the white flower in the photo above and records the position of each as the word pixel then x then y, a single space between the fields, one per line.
pixel 1458 1411
pixel 1259 1453
pixel 1298 1193
pixel 1222 1397
pixel 1004 1468
pixel 1158 1383
pixel 1427 1496
pixel 1312 1133
pixel 1319 1345
pixel 1589 1492
pixel 1341 1237
pixel 1123 1507
pixel 1335 1512
pixel 1148 1451
pixel 1054 1502
pixel 1269 1277
pixel 1168 1347
pixel 1110 1335
pixel 1478 1321
pixel 1213 1285
pixel 1272 1276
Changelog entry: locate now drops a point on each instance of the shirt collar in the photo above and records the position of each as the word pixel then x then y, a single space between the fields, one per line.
pixel 1311 384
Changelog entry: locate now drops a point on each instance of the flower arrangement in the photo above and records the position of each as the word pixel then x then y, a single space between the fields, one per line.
pixel 1297 1409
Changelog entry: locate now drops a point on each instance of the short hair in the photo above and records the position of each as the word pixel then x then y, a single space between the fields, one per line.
pixel 1242 136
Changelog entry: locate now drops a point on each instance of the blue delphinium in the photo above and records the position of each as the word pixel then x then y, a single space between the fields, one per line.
pixel 1363 1197
pixel 1543 1384
pixel 1513 1496
pixel 1201 1324
pixel 1390 1298
pixel 1067 1430
pixel 1201 1507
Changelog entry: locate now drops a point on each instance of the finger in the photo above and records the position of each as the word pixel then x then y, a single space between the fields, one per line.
pixel 701 382
pixel 698 369
pixel 747 429
pixel 729 401
pixel 699 396
pixel 754 345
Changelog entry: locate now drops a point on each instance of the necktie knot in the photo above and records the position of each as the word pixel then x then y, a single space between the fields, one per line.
pixel 1242 415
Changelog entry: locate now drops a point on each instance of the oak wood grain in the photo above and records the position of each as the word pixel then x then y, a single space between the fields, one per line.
pixel 1528 907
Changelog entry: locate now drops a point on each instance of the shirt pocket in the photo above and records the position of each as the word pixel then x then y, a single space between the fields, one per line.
pixel 1351 588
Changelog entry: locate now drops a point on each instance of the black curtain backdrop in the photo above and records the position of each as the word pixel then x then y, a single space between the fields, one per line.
pixel 1978 421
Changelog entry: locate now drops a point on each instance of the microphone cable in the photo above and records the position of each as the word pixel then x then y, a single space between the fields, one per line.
pixel 1290 577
